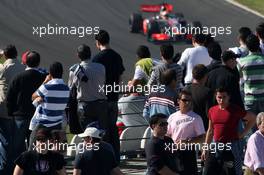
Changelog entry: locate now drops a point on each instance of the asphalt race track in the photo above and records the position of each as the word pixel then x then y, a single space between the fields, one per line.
pixel 17 19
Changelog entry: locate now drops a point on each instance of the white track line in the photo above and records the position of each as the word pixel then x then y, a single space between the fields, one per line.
pixel 245 8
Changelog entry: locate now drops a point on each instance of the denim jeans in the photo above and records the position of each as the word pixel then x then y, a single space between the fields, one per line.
pixel 18 133
pixel 3 154
pixel 215 164
pixel 5 144
pixel 255 106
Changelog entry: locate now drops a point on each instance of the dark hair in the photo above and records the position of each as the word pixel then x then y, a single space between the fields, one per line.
pixel 43 132
pixel 167 51
pixel 96 140
pixel 199 38
pixel 84 52
pixel 184 92
pixel 176 57
pixel 244 32
pixel 214 50
pixel 154 119
pixel 10 51
pixel 208 40
pixel 199 71
pixel 168 76
pixel 56 70
pixel 228 55
pixel 33 59
pixel 143 52
pixel 260 30
pixel 222 90
pixel 252 43
pixel 102 37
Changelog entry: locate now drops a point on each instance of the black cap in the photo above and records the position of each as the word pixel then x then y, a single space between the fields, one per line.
pixel 228 54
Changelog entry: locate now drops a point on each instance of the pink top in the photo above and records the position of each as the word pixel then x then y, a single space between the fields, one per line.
pixel 254 157
pixel 185 126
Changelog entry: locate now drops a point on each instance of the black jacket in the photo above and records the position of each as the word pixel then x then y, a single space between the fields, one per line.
pixel 226 78
pixel 19 93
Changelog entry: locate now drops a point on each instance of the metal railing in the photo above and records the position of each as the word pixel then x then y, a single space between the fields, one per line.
pixel 138 137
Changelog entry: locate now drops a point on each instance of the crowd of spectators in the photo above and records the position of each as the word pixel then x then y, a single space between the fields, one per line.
pixel 205 97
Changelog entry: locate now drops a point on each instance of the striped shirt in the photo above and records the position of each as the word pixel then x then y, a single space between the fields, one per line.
pixel 157 71
pixel 252 68
pixel 164 102
pixel 55 95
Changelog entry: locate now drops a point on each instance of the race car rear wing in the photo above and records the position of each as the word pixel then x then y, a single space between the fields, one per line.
pixel 155 8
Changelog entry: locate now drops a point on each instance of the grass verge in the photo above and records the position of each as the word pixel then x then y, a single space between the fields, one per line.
pixel 257 5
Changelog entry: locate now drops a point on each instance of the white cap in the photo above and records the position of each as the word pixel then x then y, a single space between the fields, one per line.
pixel 91 132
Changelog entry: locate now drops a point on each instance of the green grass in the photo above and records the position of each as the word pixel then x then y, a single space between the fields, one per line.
pixel 257 5
pixel 2 60
pixel 69 136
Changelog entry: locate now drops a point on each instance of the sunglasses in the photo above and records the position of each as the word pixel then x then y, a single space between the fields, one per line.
pixel 162 124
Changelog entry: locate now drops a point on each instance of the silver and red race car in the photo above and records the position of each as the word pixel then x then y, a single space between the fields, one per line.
pixel 164 26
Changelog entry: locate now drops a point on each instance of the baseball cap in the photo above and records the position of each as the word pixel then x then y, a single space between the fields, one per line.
pixel 91 132
pixel 228 54
pixel 24 57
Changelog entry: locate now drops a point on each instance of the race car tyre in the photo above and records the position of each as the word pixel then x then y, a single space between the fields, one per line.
pixel 135 23
pixel 153 27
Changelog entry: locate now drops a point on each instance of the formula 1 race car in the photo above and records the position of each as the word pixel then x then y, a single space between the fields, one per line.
pixel 165 26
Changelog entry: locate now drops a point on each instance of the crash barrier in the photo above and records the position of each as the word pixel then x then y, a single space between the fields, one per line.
pixel 133 138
